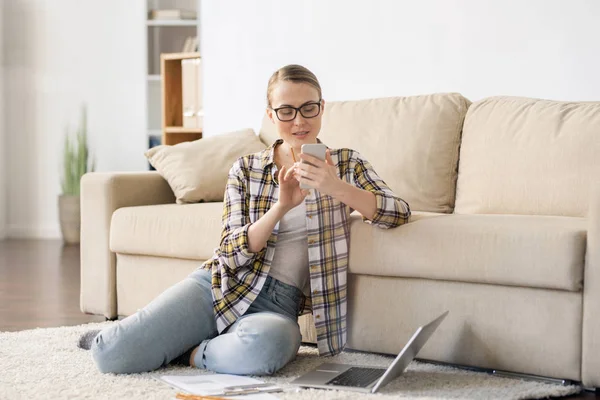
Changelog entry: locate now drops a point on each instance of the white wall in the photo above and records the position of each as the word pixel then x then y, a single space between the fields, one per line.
pixel 3 188
pixel 58 55
pixel 363 49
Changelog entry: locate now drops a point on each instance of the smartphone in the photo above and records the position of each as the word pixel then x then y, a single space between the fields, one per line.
pixel 316 150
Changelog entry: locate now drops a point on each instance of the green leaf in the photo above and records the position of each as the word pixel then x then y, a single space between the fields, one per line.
pixel 76 157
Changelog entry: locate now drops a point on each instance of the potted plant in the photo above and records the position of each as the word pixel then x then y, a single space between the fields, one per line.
pixel 76 162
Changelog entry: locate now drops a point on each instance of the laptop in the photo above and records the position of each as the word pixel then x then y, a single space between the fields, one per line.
pixel 368 379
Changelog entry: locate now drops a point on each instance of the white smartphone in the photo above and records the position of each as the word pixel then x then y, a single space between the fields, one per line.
pixel 316 150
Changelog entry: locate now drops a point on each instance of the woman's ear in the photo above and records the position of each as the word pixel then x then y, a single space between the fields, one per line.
pixel 269 112
pixel 322 105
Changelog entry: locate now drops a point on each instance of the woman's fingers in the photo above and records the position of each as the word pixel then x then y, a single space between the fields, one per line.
pixel 288 174
pixel 307 174
pixel 307 170
pixel 281 174
pixel 328 158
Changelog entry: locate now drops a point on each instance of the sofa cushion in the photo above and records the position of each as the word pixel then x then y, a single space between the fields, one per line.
pixel 528 251
pixel 528 156
pixel 412 142
pixel 197 171
pixel 190 231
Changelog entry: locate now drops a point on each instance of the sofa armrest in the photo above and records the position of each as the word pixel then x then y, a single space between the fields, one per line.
pixel 590 361
pixel 101 194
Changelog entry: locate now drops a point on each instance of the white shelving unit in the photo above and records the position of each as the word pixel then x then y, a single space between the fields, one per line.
pixel 164 36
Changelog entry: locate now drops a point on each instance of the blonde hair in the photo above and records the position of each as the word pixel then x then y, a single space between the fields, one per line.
pixel 292 73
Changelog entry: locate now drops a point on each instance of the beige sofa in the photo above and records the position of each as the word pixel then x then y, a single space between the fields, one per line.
pixel 500 234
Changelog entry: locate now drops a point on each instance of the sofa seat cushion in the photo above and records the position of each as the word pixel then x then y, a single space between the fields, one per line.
pixel 187 231
pixel 528 251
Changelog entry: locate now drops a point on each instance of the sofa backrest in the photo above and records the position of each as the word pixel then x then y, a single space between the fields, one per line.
pixel 528 156
pixel 412 142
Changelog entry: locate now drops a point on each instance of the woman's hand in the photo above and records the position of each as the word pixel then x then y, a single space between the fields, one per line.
pixel 290 194
pixel 322 175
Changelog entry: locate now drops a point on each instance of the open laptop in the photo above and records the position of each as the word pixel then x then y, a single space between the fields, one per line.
pixel 368 379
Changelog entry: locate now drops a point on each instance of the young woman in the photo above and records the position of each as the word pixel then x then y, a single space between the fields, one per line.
pixel 283 252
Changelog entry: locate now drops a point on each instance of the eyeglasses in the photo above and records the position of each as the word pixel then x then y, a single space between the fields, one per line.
pixel 289 113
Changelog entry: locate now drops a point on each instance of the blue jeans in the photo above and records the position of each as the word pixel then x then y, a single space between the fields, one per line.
pixel 260 342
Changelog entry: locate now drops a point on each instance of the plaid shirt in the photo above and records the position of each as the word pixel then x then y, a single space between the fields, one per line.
pixel 238 274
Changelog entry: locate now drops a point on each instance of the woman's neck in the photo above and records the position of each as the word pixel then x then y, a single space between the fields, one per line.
pixel 286 155
pixel 290 152
pixel 293 152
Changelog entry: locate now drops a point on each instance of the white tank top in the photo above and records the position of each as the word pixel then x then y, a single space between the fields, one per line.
pixel 290 261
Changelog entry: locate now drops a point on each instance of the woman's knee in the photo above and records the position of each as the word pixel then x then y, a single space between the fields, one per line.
pixel 273 341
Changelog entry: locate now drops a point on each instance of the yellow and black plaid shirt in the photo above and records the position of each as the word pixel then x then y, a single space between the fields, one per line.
pixel 238 275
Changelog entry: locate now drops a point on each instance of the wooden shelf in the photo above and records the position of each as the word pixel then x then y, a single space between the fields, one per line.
pixel 180 129
pixel 173 130
pixel 179 56
pixel 174 138
pixel 171 22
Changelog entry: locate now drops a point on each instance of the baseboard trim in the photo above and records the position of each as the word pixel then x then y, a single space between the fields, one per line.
pixel 33 232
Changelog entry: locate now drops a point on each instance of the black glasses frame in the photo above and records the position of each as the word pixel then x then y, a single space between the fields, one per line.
pixel 298 109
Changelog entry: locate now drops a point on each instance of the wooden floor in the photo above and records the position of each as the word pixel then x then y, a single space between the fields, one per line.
pixel 39 287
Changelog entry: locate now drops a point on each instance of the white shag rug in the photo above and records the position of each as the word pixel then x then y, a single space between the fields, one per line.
pixel 47 364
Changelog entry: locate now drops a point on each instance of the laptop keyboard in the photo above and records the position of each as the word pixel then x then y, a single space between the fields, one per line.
pixel 357 377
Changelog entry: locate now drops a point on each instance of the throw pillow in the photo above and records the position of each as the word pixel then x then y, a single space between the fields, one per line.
pixel 197 171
